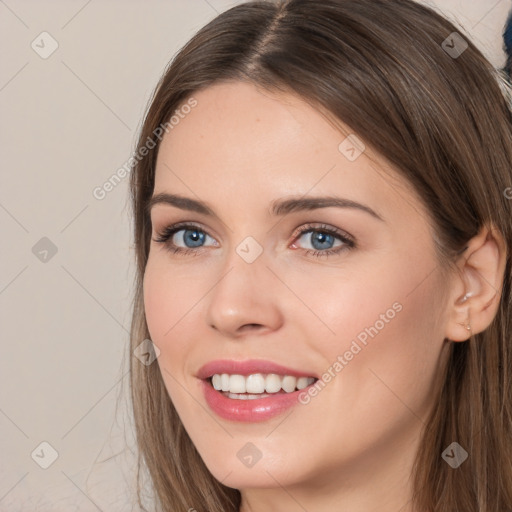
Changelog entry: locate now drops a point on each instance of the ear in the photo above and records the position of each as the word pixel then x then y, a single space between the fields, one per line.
pixel 476 290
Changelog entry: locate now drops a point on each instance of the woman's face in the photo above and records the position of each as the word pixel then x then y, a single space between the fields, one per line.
pixel 350 294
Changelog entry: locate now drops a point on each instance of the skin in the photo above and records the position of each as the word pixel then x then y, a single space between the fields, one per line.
pixel 351 448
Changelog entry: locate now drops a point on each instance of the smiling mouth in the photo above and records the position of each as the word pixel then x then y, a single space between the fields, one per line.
pixel 258 385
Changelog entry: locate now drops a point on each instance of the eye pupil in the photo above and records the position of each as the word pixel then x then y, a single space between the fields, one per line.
pixel 196 237
pixel 322 238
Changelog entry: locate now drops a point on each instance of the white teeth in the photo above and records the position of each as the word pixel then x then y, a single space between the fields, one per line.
pixel 255 383
pixel 272 383
pixel 217 381
pixel 289 383
pixel 258 385
pixel 245 396
pixel 237 384
pixel 302 382
pixel 224 380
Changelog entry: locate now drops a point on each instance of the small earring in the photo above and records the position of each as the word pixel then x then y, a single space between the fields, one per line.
pixel 466 297
pixel 467 326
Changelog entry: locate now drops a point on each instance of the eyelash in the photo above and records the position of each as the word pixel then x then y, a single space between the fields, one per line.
pixel 168 232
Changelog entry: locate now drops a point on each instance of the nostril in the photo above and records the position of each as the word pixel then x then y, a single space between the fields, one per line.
pixel 250 327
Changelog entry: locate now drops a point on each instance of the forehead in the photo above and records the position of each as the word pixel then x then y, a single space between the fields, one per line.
pixel 242 141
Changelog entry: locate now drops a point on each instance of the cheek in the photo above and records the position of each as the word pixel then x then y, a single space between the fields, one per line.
pixel 380 365
pixel 156 301
pixel 376 296
pixel 168 303
pixel 168 299
pixel 381 320
pixel 391 342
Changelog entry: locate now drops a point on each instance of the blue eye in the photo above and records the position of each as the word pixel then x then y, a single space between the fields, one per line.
pixel 322 239
pixel 192 237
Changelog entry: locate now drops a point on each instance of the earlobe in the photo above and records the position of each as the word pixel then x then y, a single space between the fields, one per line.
pixel 477 288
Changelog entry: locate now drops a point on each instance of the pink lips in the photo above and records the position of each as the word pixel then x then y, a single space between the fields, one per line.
pixel 259 409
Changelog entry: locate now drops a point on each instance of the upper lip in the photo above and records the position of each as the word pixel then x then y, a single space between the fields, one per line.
pixel 248 367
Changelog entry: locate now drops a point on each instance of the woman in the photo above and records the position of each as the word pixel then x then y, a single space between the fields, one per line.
pixel 323 225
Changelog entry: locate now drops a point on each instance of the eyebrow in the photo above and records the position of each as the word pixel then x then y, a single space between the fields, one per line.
pixel 278 207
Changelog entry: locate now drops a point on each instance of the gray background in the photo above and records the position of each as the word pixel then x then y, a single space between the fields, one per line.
pixel 68 122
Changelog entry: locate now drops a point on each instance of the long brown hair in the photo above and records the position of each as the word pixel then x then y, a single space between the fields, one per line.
pixel 397 76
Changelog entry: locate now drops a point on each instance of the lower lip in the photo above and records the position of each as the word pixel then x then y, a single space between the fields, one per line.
pixel 259 409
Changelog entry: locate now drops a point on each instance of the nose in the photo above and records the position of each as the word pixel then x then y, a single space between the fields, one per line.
pixel 245 299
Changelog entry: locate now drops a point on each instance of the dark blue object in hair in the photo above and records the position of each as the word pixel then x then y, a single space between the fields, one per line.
pixel 507 37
